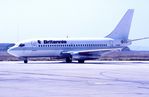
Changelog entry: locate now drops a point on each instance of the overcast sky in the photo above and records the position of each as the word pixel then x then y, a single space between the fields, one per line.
pixel 27 19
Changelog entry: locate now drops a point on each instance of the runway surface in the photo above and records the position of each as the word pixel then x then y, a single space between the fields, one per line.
pixel 58 79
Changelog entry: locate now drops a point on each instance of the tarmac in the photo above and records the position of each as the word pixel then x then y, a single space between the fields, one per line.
pixel 59 79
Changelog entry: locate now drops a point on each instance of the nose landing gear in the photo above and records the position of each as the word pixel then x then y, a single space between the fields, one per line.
pixel 25 60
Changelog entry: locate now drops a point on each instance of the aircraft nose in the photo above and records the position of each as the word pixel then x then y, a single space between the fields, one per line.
pixel 12 51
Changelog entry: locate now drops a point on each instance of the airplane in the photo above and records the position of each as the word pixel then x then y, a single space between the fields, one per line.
pixel 77 49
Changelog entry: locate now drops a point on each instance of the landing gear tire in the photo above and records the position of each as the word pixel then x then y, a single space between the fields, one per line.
pixel 68 60
pixel 25 61
pixel 80 61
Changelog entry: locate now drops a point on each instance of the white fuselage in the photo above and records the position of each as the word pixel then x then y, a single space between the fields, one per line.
pixel 54 47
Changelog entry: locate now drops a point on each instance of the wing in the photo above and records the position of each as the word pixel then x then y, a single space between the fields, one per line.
pixel 89 54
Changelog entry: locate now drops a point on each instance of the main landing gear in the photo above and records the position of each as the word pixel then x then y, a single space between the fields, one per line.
pixel 80 61
pixel 68 59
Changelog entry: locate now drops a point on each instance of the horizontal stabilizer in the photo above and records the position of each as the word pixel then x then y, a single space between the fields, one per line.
pixel 139 39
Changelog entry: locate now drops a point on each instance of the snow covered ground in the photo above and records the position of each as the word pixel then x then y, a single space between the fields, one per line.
pixel 58 79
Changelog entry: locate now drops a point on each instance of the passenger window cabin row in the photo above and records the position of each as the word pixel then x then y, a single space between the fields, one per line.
pixel 74 45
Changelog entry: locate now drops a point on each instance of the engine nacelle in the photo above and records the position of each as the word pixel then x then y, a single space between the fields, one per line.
pixel 125 49
pixel 84 57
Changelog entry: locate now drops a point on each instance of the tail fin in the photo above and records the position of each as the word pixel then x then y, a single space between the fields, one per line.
pixel 121 31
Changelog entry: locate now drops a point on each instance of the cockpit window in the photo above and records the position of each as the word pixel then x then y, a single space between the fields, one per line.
pixel 21 45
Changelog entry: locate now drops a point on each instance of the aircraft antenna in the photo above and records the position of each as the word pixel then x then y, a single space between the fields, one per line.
pixel 67 35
